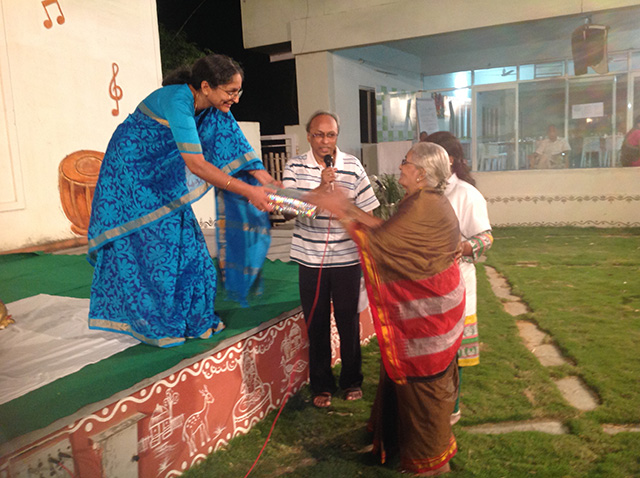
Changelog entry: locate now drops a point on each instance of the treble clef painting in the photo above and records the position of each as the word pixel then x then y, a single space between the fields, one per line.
pixel 115 92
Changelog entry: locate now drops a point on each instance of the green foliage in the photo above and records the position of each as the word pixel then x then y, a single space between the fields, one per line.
pixel 389 196
pixel 176 50
pixel 581 286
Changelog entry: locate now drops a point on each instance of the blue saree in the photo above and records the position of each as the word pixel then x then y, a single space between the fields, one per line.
pixel 154 278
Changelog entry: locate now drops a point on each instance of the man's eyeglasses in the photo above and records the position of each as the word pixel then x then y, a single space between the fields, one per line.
pixel 330 135
pixel 233 94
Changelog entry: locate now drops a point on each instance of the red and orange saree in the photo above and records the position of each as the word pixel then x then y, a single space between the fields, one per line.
pixel 417 301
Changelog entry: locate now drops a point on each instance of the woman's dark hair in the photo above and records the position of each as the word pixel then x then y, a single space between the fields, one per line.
pixel 215 69
pixel 453 146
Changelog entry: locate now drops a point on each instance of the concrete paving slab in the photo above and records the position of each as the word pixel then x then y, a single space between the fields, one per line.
pixel 551 427
pixel 539 344
pixel 549 355
pixel 615 429
pixel 499 284
pixel 531 335
pixel 577 393
pixel 515 308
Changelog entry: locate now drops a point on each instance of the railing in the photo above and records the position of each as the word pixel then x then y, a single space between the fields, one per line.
pixel 276 149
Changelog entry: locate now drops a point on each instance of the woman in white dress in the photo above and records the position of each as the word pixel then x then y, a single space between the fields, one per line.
pixel 471 209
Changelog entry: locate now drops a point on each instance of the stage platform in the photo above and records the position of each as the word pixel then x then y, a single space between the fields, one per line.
pixel 146 411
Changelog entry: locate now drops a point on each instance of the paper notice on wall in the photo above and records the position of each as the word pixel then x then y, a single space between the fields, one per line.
pixel 587 110
pixel 427 115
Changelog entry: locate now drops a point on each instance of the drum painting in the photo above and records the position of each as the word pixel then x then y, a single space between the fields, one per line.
pixel 77 178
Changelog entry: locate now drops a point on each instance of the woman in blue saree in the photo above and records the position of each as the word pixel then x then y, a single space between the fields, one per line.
pixel 154 278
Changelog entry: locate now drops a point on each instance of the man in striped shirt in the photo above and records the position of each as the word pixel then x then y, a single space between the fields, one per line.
pixel 326 254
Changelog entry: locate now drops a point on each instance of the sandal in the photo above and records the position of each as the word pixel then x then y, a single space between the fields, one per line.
pixel 351 394
pixel 322 400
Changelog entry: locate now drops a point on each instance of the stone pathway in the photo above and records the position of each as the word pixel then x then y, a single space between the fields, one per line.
pixel 540 344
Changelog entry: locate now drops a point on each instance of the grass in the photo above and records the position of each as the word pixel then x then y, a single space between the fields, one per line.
pixel 583 288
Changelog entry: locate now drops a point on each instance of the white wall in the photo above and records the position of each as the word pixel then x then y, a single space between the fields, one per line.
pixel 55 99
pixel 607 197
pixel 331 24
pixel 349 76
pixel 330 82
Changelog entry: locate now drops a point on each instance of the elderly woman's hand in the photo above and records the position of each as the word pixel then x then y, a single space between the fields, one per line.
pixel 336 202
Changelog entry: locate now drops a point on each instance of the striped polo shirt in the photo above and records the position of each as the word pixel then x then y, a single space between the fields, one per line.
pixel 310 235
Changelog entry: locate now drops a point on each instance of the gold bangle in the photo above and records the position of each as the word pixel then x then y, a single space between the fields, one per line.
pixel 227 185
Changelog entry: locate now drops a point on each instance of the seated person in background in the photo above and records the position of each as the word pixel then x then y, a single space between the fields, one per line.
pixel 423 136
pixel 551 152
pixel 630 151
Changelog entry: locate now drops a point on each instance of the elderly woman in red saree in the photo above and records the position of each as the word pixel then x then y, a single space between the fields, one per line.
pixel 417 299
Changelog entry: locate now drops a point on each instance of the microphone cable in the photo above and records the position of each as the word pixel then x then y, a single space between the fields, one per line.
pixel 290 384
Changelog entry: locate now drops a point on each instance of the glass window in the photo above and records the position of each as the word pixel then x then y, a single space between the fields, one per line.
pixel 495 110
pixel 613 143
pixel 541 105
pixel 495 75
pixel 636 98
pixel 618 62
pixel 527 72
pixel 459 79
pixel 549 70
pixel 590 110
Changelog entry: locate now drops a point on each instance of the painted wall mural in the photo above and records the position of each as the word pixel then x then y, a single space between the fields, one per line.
pixel 48 23
pixel 181 418
pixel 77 177
pixel 115 91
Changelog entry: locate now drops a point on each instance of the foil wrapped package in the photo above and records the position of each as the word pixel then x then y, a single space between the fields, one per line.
pixel 289 201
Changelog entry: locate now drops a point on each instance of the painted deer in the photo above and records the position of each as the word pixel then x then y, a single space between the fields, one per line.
pixel 197 422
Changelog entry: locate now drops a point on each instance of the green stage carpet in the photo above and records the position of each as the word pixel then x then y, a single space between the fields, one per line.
pixel 25 275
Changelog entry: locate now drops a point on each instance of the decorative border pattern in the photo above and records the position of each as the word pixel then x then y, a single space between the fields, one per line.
pixel 587 223
pixel 190 412
pixel 563 199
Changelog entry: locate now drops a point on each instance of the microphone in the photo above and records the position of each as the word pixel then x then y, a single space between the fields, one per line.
pixel 328 162
pixel 375 179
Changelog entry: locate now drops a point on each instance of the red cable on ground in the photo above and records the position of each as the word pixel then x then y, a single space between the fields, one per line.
pixel 66 469
pixel 286 394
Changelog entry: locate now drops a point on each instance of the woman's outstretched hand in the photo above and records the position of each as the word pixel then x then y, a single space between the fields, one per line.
pixel 258 196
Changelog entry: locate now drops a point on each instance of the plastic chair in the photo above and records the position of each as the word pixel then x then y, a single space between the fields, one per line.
pixel 492 158
pixel 612 145
pixel 590 149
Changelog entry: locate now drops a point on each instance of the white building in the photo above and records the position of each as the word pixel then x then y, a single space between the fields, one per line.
pixel 501 72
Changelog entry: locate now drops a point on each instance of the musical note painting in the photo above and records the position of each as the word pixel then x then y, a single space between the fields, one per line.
pixel 48 23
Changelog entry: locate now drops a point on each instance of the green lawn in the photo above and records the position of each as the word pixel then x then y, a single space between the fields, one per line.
pixel 583 288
